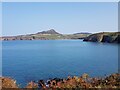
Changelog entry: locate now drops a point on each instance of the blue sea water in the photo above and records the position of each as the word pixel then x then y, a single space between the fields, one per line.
pixel 44 59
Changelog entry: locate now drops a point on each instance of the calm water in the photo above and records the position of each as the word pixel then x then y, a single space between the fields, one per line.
pixel 34 60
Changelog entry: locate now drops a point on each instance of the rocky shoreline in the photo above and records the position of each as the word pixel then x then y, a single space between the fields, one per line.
pixel 84 81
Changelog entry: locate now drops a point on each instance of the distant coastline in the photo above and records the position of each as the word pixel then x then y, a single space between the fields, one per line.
pixel 108 37
pixel 46 35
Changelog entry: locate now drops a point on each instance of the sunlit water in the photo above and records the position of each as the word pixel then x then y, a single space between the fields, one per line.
pixel 44 59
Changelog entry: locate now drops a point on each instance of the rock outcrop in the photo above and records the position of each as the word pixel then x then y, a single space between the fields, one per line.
pixel 108 37
pixel 8 83
pixel 51 31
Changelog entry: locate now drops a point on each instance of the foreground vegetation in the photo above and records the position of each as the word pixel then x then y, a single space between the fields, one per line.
pixel 84 81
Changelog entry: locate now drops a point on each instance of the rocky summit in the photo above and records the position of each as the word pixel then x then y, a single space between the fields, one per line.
pixel 51 31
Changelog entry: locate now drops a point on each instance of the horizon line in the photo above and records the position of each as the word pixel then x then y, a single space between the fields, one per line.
pixel 61 33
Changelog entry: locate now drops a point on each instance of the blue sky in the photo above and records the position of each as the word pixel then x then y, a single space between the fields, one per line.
pixel 25 17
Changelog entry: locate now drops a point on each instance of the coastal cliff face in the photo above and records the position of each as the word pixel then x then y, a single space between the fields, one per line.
pixel 109 37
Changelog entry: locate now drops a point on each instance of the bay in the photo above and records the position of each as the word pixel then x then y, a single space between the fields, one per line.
pixel 43 59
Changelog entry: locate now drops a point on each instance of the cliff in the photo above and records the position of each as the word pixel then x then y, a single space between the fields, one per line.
pixel 108 37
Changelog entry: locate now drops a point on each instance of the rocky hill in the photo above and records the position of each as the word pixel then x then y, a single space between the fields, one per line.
pixel 51 31
pixel 109 37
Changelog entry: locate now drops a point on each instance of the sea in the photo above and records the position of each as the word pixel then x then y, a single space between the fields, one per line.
pixel 32 60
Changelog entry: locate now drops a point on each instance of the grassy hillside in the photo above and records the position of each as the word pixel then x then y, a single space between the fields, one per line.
pixel 46 35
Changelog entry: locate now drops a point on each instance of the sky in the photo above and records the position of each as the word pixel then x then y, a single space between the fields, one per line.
pixel 65 17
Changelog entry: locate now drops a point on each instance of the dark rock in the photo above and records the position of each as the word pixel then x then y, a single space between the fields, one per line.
pixel 106 37
pixel 117 39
